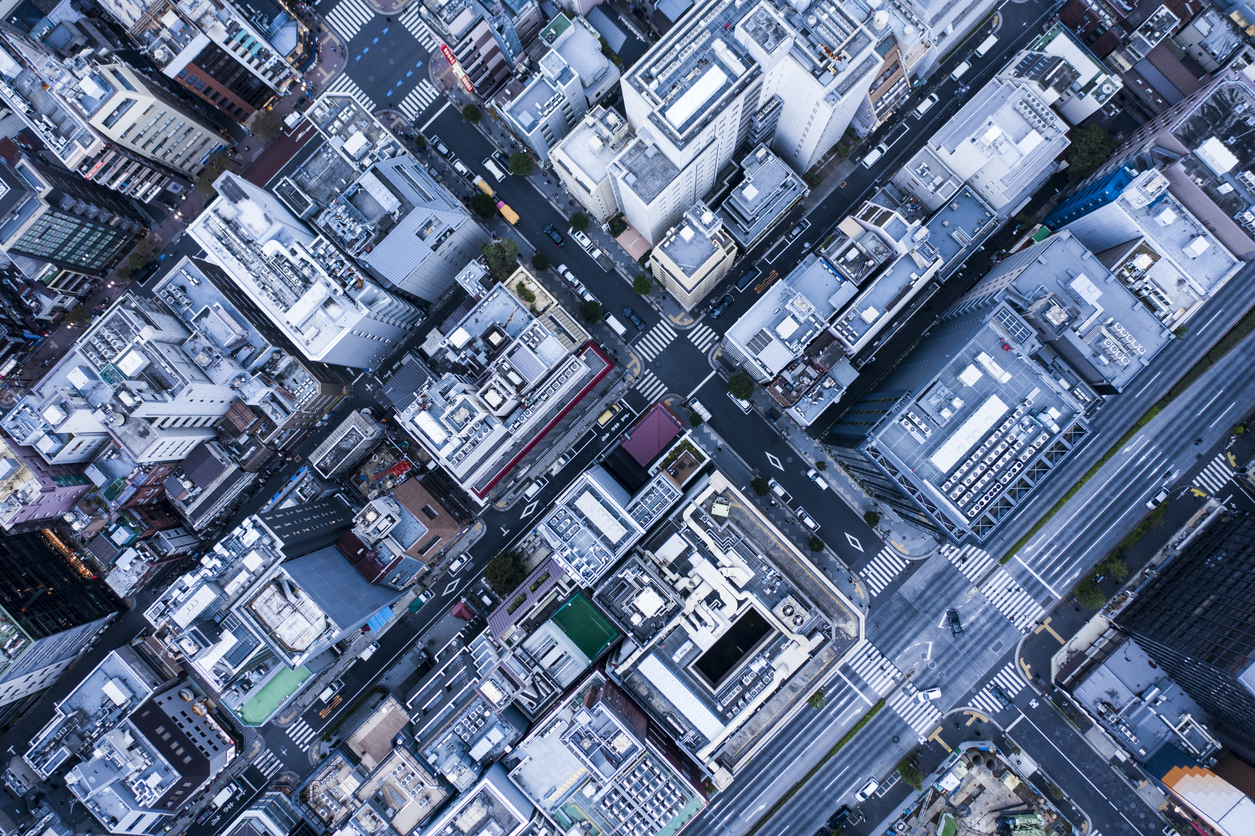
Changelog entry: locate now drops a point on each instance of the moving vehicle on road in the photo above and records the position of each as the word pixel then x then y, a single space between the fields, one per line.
pixel 331 690
pixel 986 45
pixel 814 476
pixel 930 694
pixel 1000 695
pixel 925 106
pixel 874 155
pixel 368 652
pixel 631 317
pixel 960 70
pixel 952 618
pixel 1158 498
pixel 555 235
pixel 611 411
pixel 615 325
pixel 558 464
pixel 534 488
pixel 806 519
pixel 717 307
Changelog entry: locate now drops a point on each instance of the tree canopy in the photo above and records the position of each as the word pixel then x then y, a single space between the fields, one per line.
pixel 470 113
pixel 483 205
pixel 540 261
pixel 1090 148
pixel 641 284
pixel 520 164
pixel 741 386
pixel 502 257
pixel 590 311
pixel 505 572
pixel 579 222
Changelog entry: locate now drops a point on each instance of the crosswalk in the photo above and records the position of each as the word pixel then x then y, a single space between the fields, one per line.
pixel 650 386
pixel 884 568
pixel 1213 477
pixel 349 16
pixel 413 21
pixel 345 86
pixel 877 671
pixel 652 344
pixel 919 714
pixel 703 336
pixel 1012 600
pixel 268 764
pixel 301 733
pixel 418 99
pixel 969 560
pixel 1011 683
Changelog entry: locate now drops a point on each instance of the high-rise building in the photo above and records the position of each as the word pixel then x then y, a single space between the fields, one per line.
pixel 1194 619
pixel 582 160
pixel 693 256
pixel 32 490
pixel 303 284
pixel 729 73
pixel 50 215
pixel 51 610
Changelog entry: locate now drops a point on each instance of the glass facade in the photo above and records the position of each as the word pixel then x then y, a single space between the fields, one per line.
pixel 72 242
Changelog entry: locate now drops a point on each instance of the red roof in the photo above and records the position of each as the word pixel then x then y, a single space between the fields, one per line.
pixel 652 434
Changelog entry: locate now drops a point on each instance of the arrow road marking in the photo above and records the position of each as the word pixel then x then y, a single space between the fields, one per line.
pixel 775 462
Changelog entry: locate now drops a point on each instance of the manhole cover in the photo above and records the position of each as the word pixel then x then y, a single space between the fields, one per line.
pixel 932 665
pixel 997 646
pixel 789 459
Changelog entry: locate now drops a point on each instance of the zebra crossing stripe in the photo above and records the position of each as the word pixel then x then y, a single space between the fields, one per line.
pixel 1214 476
pixel 349 16
pixel 1012 600
pixel 921 716
pixel 703 336
pixel 650 386
pixel 413 21
pixel 877 671
pixel 985 703
pixel 1009 680
pixel 884 568
pixel 268 764
pixel 655 341
pixel 301 733
pixel 969 560
pixel 345 86
pixel 418 100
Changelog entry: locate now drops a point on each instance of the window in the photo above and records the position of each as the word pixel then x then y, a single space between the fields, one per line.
pixel 431 513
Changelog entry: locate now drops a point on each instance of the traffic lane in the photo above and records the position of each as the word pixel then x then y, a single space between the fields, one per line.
pixel 840 526
pixel 1083 776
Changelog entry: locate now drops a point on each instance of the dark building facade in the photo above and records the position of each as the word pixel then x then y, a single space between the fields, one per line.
pixel 1195 619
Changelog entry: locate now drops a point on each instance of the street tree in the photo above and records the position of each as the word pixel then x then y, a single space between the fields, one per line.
pixel 483 205
pixel 470 113
pixel 579 222
pixel 520 164
pixel 505 572
pixel 741 385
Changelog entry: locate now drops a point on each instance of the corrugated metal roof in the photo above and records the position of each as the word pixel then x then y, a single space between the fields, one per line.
pixel 652 434
pixel 202 466
pixel 673 9
pixel 607 28
pixel 403 387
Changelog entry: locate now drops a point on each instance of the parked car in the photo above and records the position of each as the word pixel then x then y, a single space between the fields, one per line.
pixel 606 417
pixel 567 275
pixel 874 155
pixel 867 790
pixel 1155 500
pixel 840 817
pixel 534 488
pixel 722 304
pixel 631 317
pixel 817 479
pixel 424 596
pixel 582 239
pixel 458 562
pixel 952 617
pixel 462 170
pixel 806 519
pixel 779 491
pixel 926 105
pixel 440 146
pixel 368 652
pixel 558 464
pixel 743 405
pixel 331 690
pixel 555 235
pixel 587 295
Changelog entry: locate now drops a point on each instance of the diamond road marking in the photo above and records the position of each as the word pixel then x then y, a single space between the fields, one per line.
pixel 448 589
pixel 530 509
pixel 854 541
pixel 775 462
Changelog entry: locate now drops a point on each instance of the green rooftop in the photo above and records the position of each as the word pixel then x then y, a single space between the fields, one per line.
pixel 584 624
pixel 270 696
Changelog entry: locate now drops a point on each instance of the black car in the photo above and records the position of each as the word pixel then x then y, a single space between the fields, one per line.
pixel 840 817
pixel 717 308
pixel 1000 695
pixel 555 235
pixel 633 318
pixel 952 616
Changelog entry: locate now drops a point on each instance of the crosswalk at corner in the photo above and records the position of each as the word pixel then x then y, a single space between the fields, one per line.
pixel 1214 476
pixel 1012 600
pixel 1011 683
pixel 650 386
pixel 969 560
pixel 268 764
pixel 301 733
pixel 345 86
pixel 920 714
pixel 349 16
pixel 884 568
pixel 652 344
pixel 418 100
pixel 413 21
pixel 703 336
pixel 874 669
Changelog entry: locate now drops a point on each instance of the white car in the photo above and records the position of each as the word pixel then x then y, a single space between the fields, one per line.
pixel 807 520
pixel 930 694
pixel 558 464
pixel 1155 500
pixel 582 239
pixel 424 596
pixel 745 406
pixel 817 479
pixel 779 491
pixel 458 563
pixel 867 790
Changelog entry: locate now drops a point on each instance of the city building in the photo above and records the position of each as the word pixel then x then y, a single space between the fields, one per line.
pixel 1002 144
pixel 573 77
pixel 693 256
pixel 592 752
pixel 346 445
pixel 50 215
pixel 903 41
pixel 374 201
pixel 768 190
pixel 484 46
pixel 1201 145
pixel 143 117
pixel 967 423
pixel 142 771
pixel 494 805
pixel 396 537
pixel 271 814
pixel 306 287
pixel 582 160
pixel 42 89
pixel 730 622
pixel 32 491
pixel 1068 77
pixel 729 73
pixel 510 373
pixel 210 50
pixel 1150 241
pixel 1081 312
pixel 51 610
pixel 288 394
pixel 96 705
pixel 205 484
pixel 1192 619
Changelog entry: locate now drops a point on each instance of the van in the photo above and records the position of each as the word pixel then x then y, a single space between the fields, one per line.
pixel 867 790
pixel 960 71
pixel 696 406
pixel 534 488
pixel 331 690
pixel 874 155
pixel 463 170
pixel 494 169
pixel 368 652
pixel 986 45
pixel 616 325
pixel 926 105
